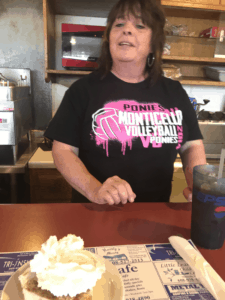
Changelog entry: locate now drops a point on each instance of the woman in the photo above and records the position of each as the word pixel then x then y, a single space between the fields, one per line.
pixel 118 130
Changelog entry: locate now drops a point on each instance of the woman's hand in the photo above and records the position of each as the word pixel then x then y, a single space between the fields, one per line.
pixel 114 191
pixel 187 192
pixel 192 153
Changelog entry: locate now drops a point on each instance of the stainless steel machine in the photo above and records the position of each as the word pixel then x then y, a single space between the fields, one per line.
pixel 212 126
pixel 15 111
pixel 213 137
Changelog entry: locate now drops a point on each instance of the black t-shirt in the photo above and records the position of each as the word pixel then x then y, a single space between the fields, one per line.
pixel 132 130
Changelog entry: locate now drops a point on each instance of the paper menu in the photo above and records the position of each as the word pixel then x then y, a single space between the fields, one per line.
pixel 10 262
pixel 153 271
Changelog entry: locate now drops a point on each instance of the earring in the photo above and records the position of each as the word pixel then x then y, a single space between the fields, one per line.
pixel 150 60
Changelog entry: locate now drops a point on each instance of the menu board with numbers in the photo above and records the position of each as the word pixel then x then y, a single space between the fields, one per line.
pixel 148 271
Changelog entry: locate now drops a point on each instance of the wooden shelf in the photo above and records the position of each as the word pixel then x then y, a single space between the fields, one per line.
pixel 183 80
pixel 192 13
pixel 50 75
pixel 194 59
pixel 200 81
pixel 192 39
pixel 68 72
pixel 68 7
pixel 193 5
pixel 186 52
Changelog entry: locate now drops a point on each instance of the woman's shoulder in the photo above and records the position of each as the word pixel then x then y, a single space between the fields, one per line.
pixel 170 86
pixel 171 83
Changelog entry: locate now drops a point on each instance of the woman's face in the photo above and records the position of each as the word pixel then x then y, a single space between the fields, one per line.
pixel 129 40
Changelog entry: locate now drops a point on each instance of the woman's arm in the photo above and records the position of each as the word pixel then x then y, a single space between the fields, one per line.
pixel 192 153
pixel 113 191
pixel 73 170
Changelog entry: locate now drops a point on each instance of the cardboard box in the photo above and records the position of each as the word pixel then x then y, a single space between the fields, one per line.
pixel 212 32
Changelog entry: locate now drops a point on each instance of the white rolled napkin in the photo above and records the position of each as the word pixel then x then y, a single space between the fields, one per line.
pixel 203 270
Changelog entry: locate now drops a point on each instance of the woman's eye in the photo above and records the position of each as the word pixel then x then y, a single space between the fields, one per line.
pixel 119 24
pixel 139 26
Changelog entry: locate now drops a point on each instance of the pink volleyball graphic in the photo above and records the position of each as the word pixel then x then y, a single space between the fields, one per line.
pixel 105 123
pixel 127 120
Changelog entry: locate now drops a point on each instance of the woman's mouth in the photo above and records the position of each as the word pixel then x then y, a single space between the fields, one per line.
pixel 126 44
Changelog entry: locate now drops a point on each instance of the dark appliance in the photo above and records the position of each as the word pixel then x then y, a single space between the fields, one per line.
pixel 81 46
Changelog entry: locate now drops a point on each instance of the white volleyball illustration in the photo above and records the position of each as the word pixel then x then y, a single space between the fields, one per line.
pixel 105 123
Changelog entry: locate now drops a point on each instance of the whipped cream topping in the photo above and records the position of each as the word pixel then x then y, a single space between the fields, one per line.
pixel 64 268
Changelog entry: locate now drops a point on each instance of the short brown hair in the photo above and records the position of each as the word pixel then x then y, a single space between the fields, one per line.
pixel 153 16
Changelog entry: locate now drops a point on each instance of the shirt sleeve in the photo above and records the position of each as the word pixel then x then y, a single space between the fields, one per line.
pixel 190 117
pixel 66 125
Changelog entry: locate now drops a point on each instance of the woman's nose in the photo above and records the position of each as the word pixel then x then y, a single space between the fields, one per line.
pixel 127 32
pixel 127 29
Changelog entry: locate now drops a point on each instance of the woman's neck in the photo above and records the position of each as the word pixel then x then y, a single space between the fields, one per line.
pixel 128 72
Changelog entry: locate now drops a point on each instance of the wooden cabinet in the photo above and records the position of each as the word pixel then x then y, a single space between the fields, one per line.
pixel 189 53
pixel 192 53
pixel 178 185
pixel 203 4
pixel 48 186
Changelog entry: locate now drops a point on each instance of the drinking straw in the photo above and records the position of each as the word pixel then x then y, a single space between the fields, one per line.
pixel 222 157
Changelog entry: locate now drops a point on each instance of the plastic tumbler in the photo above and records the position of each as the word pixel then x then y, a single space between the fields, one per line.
pixel 208 207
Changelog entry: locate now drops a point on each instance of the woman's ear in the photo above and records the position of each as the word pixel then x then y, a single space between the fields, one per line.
pixel 150 59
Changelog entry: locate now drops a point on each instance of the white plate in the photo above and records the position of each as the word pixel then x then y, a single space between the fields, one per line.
pixel 110 283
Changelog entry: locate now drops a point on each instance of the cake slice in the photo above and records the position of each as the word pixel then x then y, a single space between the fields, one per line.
pixel 31 291
pixel 62 270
